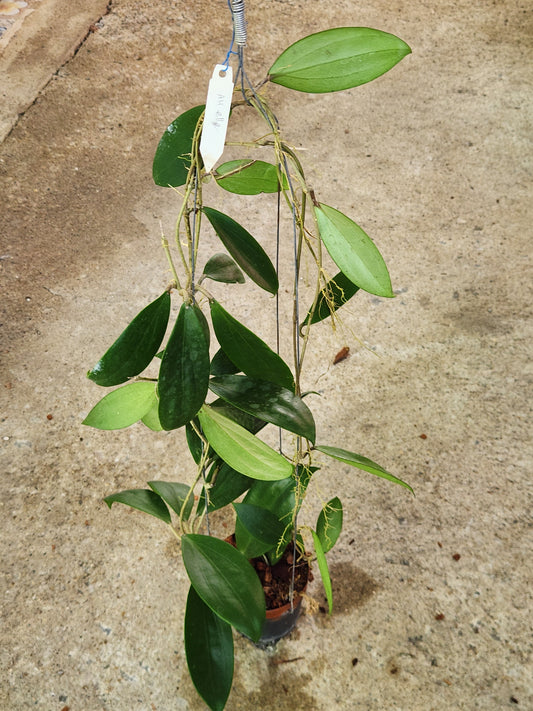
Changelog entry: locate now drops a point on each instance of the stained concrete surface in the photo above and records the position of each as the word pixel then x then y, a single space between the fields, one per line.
pixel 432 597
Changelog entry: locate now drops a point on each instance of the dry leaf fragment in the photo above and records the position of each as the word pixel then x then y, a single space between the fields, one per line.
pixel 341 355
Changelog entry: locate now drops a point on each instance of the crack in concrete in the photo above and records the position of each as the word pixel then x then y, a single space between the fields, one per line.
pixel 92 28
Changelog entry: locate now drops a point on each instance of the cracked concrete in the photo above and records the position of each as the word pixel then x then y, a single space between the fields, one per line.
pixel 432 594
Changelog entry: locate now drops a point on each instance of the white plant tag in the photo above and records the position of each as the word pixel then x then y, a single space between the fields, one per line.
pixel 217 108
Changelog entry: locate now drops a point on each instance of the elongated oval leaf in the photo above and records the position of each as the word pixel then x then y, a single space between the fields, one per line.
pixel 172 158
pixel 267 401
pixel 257 530
pixel 249 353
pixel 335 294
pixel 248 177
pixel 122 407
pixel 360 462
pixel 276 496
pixel 324 571
pixel 244 249
pixel 135 347
pixel 184 371
pixel 209 652
pixel 329 524
pixel 175 495
pixel 222 365
pixel 227 486
pixel 280 499
pixel 143 500
pixel 240 449
pixel 249 422
pixel 226 582
pixel 151 419
pixel 353 251
pixel 337 59
pixel 222 268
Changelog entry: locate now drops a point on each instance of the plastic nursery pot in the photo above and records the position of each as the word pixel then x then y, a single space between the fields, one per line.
pixel 280 620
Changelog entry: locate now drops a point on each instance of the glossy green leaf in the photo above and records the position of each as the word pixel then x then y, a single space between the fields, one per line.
pixel 279 498
pixel 203 323
pixel 240 449
pixel 249 353
pixel 249 422
pixel 356 460
pixel 222 268
pixel 226 486
pixel 248 177
pixel 143 500
pixel 175 495
pixel 184 371
pixel 222 365
pixel 353 251
pixel 135 347
pixel 226 582
pixel 324 571
pixel 329 524
pixel 172 158
pixel 335 294
pixel 209 652
pixel 337 59
pixel 122 407
pixel 266 401
pixel 257 530
pixel 244 249
pixel 276 496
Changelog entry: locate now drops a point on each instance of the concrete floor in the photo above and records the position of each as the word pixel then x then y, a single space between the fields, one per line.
pixel 432 594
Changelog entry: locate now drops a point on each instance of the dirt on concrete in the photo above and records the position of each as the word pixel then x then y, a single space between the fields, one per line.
pixel 432 599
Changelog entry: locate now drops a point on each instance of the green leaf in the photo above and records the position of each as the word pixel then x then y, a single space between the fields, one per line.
pixel 329 524
pixel 184 371
pixel 257 530
pixel 337 59
pixel 222 268
pixel 135 347
pixel 175 495
pixel 266 401
pixel 194 442
pixel 244 249
pixel 324 571
pixel 276 496
pixel 335 294
pixel 209 652
pixel 249 353
pixel 242 450
pixel 226 582
pixel 250 423
pixel 227 486
pixel 356 460
pixel 143 500
pixel 222 365
pixel 248 177
pixel 279 498
pixel 353 251
pixel 151 419
pixel 172 158
pixel 122 407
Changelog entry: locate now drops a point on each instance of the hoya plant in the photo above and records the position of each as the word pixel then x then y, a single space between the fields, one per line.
pixel 211 374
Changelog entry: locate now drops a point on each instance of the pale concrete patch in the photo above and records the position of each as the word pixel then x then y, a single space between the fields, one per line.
pixel 36 41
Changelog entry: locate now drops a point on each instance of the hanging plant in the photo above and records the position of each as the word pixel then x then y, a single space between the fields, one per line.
pixel 225 394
